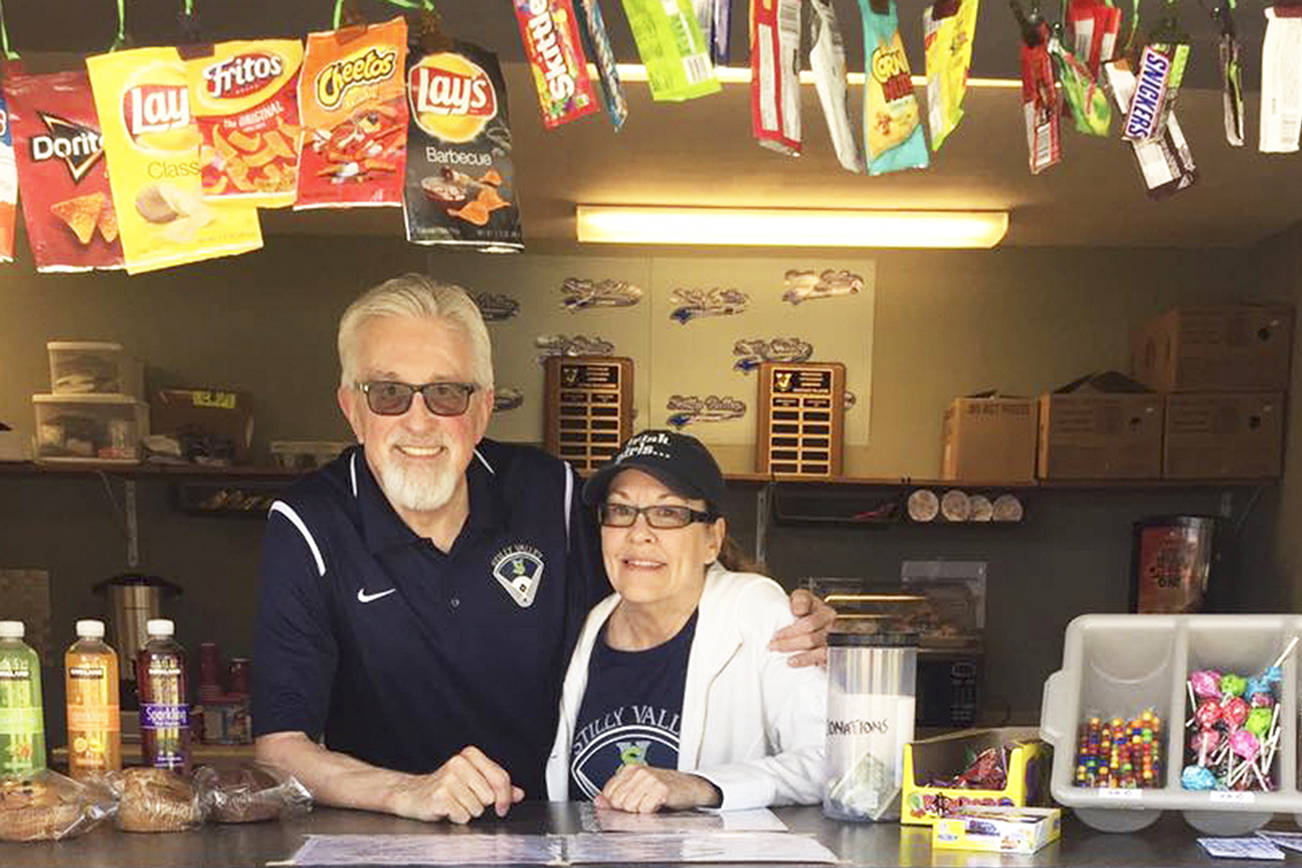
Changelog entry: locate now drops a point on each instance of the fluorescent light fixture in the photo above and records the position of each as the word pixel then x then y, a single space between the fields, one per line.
pixel 636 72
pixel 788 227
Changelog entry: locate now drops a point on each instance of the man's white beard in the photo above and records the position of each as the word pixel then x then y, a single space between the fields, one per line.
pixel 414 490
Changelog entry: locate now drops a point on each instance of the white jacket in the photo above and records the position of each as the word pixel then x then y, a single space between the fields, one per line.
pixel 751 724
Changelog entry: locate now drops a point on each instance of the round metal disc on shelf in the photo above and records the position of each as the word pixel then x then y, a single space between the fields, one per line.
pixel 982 510
pixel 955 506
pixel 923 505
pixel 1007 508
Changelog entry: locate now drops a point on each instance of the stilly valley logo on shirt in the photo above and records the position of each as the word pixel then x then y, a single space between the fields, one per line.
pixel 518 568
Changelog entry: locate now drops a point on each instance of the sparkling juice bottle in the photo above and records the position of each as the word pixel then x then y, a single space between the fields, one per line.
pixel 91 679
pixel 164 711
pixel 22 718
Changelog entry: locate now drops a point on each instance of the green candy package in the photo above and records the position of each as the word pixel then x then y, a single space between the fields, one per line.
pixel 671 46
pixel 892 120
pixel 1084 96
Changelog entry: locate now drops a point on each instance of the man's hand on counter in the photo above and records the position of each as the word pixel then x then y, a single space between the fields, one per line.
pixel 458 791
pixel 805 639
pixel 645 790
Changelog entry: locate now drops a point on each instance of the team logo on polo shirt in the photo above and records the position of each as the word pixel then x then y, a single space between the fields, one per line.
pixel 519 569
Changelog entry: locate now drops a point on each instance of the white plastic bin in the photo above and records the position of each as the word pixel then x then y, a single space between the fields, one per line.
pixel 1122 664
pixel 94 367
pixel 97 428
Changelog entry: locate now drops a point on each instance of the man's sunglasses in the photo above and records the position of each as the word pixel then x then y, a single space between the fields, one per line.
pixel 390 398
pixel 660 517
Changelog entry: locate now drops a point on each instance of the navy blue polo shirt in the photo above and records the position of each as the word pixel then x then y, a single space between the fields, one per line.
pixel 400 654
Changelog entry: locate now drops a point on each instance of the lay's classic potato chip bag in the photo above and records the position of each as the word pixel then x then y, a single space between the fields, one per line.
pixel 151 140
pixel 245 100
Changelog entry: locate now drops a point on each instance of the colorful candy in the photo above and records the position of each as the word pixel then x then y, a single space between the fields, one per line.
pixel 1234 712
pixel 1197 778
pixel 1258 722
pixel 1233 685
pixel 1206 683
pixel 1119 753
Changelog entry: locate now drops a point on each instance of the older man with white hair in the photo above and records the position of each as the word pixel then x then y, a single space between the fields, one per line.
pixel 421 594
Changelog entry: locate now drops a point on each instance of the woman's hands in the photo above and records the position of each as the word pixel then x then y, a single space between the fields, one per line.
pixel 642 789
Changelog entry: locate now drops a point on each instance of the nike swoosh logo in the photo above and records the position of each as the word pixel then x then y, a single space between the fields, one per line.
pixel 363 597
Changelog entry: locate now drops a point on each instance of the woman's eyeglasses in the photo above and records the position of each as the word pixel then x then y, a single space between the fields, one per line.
pixel 661 517
pixel 390 398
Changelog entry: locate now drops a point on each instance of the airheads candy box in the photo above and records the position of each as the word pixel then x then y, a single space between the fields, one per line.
pixel 934 786
pixel 245 98
pixel 151 140
pixel 459 187
pixel 67 206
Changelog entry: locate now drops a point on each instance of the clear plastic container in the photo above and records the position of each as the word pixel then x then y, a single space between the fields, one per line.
pixel 1123 664
pixel 97 428
pixel 94 367
pixel 870 713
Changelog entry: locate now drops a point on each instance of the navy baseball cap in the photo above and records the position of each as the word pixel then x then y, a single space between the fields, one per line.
pixel 679 461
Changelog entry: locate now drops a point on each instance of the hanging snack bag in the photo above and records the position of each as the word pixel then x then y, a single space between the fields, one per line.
pixel 1040 107
pixel 1281 81
pixel 1161 69
pixel 947 32
pixel 891 118
pixel 671 46
pixel 460 183
pixel 827 60
pixel 775 74
pixel 8 187
pixel 560 70
pixel 151 142
pixel 67 205
pixel 245 99
pixel 1083 95
pixel 592 31
pixel 1165 163
pixel 1228 52
pixel 353 108
pixel 715 20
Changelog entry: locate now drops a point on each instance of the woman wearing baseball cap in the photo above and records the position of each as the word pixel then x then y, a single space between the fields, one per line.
pixel 672 698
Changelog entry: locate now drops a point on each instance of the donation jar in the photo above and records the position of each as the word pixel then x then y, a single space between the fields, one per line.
pixel 870 711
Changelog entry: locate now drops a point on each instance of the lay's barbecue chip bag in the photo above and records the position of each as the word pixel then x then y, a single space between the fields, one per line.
pixel 460 181
pixel 353 106
pixel 152 144
pixel 67 205
pixel 245 99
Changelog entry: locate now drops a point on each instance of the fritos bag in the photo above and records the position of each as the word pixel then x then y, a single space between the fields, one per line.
pixel 460 181
pixel 152 144
pixel 8 187
pixel 67 205
pixel 245 98
pixel 354 112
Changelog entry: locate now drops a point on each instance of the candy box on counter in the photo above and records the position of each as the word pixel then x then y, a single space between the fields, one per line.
pixel 94 367
pixel 999 830
pixel 1004 767
pixel 97 428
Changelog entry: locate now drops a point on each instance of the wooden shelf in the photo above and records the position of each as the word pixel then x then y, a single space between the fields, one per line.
pixel 145 471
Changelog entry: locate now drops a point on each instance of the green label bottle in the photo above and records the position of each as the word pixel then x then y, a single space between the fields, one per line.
pixel 22 720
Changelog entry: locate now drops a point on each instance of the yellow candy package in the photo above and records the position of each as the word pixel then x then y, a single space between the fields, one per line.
pixel 948 27
pixel 152 141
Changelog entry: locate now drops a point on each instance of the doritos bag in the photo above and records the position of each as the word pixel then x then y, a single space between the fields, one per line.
pixel 460 180
pixel 354 111
pixel 245 99
pixel 8 187
pixel 152 145
pixel 71 224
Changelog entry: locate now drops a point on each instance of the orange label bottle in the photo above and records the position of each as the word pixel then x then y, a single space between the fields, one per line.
pixel 94 726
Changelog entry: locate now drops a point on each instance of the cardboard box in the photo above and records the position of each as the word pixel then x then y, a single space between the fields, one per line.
pixel 989 440
pixel 1100 436
pixel 209 423
pixel 1224 436
pixel 1240 348
pixel 998 830
pixel 1029 764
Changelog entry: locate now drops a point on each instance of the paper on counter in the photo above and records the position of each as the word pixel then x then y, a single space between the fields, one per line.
pixel 1240 848
pixel 1287 840
pixel 709 847
pixel 436 849
pixel 593 819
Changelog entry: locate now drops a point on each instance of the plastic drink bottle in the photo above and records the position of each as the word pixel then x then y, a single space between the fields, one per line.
pixel 91 679
pixel 22 717
pixel 164 711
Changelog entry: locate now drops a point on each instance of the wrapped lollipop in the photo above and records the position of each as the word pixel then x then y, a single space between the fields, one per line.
pixel 1233 685
pixel 1234 712
pixel 1246 746
pixel 1206 683
pixel 1259 722
pixel 1205 743
pixel 1197 778
pixel 1208 714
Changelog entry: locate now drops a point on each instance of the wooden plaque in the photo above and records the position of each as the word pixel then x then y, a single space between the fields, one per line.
pixel 801 418
pixel 589 408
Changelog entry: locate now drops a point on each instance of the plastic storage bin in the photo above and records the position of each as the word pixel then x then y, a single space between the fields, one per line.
pixel 1123 664
pixel 94 367
pixel 99 428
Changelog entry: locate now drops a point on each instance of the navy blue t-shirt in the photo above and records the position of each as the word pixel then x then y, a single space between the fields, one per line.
pixel 631 712
pixel 401 654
